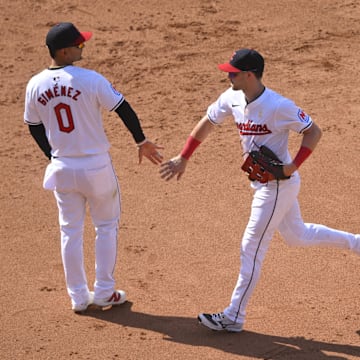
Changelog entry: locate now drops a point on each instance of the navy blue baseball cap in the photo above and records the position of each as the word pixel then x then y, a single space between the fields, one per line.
pixel 64 35
pixel 244 60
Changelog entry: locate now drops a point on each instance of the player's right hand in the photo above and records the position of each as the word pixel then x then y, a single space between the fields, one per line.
pixel 174 167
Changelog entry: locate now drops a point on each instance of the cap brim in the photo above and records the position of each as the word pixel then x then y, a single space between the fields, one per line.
pixel 228 68
pixel 86 35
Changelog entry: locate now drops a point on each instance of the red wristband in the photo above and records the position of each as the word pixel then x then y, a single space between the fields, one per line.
pixel 301 156
pixel 189 147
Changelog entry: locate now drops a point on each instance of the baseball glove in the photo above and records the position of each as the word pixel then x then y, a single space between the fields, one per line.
pixel 263 165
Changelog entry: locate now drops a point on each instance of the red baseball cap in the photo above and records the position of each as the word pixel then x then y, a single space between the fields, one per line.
pixel 65 35
pixel 244 60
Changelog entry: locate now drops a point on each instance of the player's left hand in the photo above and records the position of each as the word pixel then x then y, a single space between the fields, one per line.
pixel 150 151
pixel 289 169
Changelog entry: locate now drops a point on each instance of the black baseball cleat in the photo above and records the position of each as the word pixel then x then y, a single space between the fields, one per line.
pixel 219 322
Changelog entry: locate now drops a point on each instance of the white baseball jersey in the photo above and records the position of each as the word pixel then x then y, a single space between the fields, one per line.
pixel 265 121
pixel 68 102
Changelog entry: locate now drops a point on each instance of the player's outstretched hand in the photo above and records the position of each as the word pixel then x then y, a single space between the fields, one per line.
pixel 150 151
pixel 175 166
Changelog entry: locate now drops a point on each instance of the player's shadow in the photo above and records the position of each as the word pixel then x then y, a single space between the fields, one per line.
pixel 247 343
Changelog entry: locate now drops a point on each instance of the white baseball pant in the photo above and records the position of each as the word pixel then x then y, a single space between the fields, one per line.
pixel 76 182
pixel 277 208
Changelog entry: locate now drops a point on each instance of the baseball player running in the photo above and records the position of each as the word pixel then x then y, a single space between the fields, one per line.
pixel 63 107
pixel 263 118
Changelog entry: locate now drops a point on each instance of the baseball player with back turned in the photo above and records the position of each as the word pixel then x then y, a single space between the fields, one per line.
pixel 63 106
pixel 263 118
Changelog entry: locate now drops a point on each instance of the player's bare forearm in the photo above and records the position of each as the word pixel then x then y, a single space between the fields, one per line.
pixel 311 137
pixel 202 129
pixel 177 165
pixel 309 142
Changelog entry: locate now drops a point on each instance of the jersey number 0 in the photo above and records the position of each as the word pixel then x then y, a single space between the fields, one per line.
pixel 64 117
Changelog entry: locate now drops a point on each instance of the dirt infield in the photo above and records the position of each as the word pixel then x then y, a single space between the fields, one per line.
pixel 179 241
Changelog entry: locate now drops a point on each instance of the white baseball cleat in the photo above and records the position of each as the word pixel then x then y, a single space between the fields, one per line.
pixel 118 297
pixel 79 308
pixel 219 322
